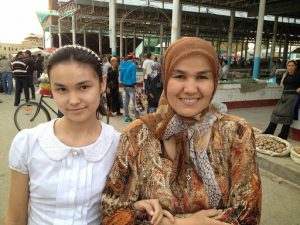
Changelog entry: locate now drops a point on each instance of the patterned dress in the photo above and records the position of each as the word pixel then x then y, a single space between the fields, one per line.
pixel 142 170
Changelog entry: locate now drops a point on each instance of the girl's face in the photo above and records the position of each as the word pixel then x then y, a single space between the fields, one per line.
pixel 191 86
pixel 76 90
pixel 291 67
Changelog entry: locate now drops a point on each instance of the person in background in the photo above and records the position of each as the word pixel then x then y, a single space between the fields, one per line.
pixel 225 70
pixel 30 70
pixel 39 65
pixel 147 67
pixel 283 112
pixel 154 87
pixel 128 79
pixel 20 74
pixel 106 64
pixel 112 87
pixel 59 168
pixel 6 71
pixel 199 164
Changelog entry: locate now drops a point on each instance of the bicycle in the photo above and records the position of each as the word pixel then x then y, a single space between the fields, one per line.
pixel 30 114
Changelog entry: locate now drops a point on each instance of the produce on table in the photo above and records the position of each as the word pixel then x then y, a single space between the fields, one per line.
pixel 272 145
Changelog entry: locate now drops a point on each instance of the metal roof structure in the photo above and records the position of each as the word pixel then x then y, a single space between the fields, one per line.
pixel 208 19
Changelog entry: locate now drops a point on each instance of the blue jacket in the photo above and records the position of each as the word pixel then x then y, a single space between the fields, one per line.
pixel 128 73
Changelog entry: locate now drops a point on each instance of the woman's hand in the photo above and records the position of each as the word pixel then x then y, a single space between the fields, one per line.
pixel 153 208
pixel 298 90
pixel 203 217
pixel 206 217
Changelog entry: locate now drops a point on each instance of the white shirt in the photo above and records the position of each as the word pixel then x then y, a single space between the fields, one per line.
pixel 65 183
pixel 147 66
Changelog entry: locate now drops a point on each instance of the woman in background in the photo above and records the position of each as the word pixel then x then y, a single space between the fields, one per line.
pixel 284 110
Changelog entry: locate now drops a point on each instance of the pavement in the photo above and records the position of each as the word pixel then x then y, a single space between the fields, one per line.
pixel 280 175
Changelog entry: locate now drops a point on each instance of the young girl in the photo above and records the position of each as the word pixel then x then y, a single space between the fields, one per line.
pixel 59 168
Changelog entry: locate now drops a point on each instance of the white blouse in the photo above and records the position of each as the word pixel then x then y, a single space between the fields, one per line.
pixel 65 183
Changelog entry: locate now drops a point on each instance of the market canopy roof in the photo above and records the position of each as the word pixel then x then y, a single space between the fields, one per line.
pixel 210 17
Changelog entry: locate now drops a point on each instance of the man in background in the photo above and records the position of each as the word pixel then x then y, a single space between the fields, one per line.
pixel 39 65
pixel 30 70
pixel 147 68
pixel 19 69
pixel 128 79
pixel 5 70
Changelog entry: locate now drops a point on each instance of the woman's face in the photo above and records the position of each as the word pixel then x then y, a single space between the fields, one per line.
pixel 291 67
pixel 191 86
pixel 114 63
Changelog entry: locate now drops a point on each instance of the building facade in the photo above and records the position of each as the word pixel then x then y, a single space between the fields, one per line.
pixel 32 41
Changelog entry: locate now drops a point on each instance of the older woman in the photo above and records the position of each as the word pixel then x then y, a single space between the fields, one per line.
pixel 198 163
pixel 284 110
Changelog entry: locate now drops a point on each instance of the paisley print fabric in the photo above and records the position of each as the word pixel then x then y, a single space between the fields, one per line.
pixel 143 171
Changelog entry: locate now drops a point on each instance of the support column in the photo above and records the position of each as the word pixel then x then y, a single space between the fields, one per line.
pixel 143 44
pixel 197 31
pixel 73 30
pixel 50 37
pixel 246 49
pixel 121 41
pixel 259 30
pixel 219 44
pixel 242 49
pixel 84 37
pixel 59 33
pixel 161 42
pixel 236 48
pixel 112 27
pixel 134 41
pixel 176 14
pixel 126 49
pixel 267 48
pixel 44 46
pixel 166 41
pixel 50 34
pixel 148 47
pixel 285 49
pixel 280 46
pixel 230 37
pixel 100 41
pixel 273 42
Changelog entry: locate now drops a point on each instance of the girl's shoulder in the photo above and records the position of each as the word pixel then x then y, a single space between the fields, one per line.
pixel 33 133
pixel 24 146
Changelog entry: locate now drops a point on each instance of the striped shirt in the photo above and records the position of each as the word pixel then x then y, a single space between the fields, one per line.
pixel 19 68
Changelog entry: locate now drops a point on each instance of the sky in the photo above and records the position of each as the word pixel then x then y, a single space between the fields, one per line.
pixel 18 19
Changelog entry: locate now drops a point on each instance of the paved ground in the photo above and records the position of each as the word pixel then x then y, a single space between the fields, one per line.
pixel 281 199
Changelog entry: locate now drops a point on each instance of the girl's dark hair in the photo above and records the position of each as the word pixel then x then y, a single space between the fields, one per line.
pixel 83 55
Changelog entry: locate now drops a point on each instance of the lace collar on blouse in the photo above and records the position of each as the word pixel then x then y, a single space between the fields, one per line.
pixel 56 150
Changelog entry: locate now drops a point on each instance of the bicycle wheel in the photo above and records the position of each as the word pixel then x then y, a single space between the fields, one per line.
pixel 30 114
